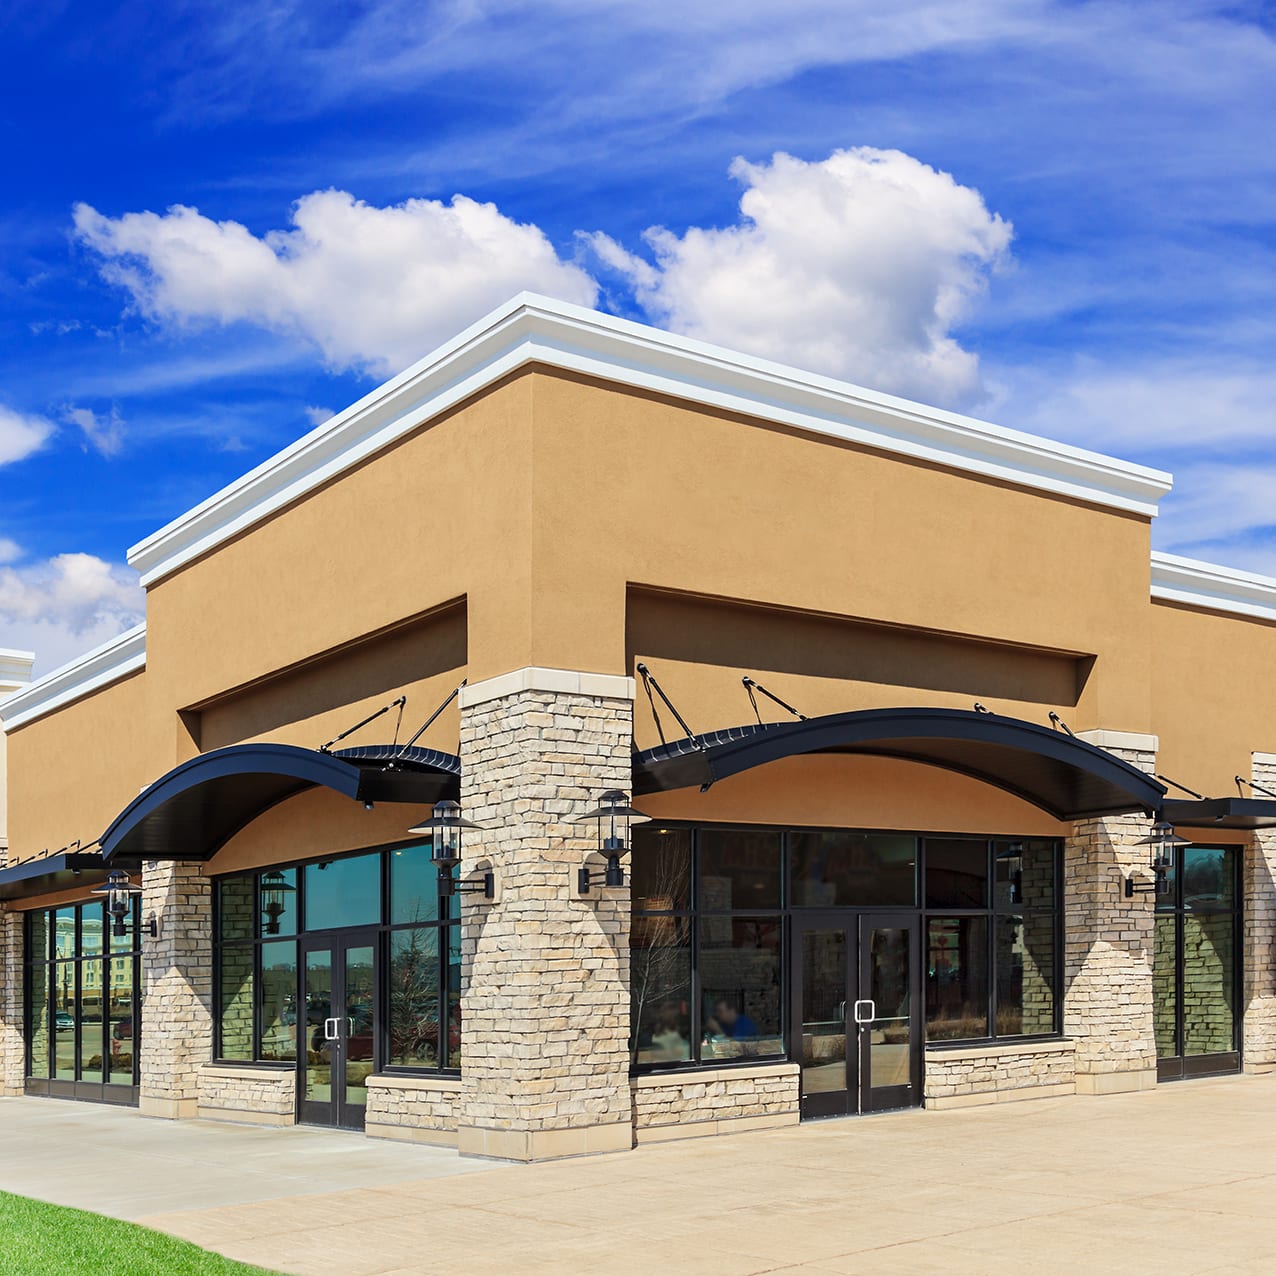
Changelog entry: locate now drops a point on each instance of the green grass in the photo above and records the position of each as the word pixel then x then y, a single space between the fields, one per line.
pixel 49 1240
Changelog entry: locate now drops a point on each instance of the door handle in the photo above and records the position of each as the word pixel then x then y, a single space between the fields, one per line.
pixel 349 1028
pixel 331 1030
pixel 841 1011
pixel 860 1016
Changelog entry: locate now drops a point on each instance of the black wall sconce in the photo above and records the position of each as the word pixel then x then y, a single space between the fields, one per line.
pixel 444 829
pixel 614 817
pixel 119 892
pixel 1161 842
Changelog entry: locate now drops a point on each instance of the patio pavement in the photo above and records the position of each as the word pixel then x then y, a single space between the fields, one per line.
pixel 1181 1179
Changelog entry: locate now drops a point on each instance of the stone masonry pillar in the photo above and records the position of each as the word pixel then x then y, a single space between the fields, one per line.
pixel 545 1070
pixel 1108 955
pixel 177 968
pixel 1259 887
pixel 12 1042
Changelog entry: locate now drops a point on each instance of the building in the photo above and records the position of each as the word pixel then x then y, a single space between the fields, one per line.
pixel 613 559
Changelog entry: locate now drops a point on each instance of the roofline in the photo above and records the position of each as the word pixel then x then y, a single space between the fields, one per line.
pixel 533 329
pixel 15 668
pixel 1194 583
pixel 110 662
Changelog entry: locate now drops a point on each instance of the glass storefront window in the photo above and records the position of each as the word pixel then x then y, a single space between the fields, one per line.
pixel 277 1005
pixel 235 1002
pixel 121 1028
pixel 660 992
pixel 739 869
pixel 235 908
pixel 344 892
pixel 414 886
pixel 956 978
pixel 413 998
pixel 38 1019
pixel 858 870
pixel 956 873
pixel 660 879
pixel 740 980
pixel 277 891
pixel 1209 878
pixel 1025 957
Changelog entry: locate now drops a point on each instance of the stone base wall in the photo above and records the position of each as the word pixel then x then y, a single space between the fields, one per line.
pixel 260 1096
pixel 12 1043
pixel 415 1109
pixel 1000 1074
pixel 1260 936
pixel 724 1101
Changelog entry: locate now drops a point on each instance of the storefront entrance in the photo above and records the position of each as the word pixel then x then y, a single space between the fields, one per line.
pixel 857 1011
pixel 340 998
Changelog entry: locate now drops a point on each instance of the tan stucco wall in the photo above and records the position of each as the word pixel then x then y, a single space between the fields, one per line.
pixel 560 522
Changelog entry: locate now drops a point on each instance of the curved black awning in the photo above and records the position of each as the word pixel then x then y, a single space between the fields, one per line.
pixel 63 870
pixel 191 812
pixel 1222 813
pixel 1055 771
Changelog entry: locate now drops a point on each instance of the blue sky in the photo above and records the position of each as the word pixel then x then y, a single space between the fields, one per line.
pixel 1060 216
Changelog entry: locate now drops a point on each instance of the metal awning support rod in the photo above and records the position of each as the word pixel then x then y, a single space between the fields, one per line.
pixel 372 717
pixel 750 686
pixel 429 722
pixel 1182 788
pixel 1258 788
pixel 650 683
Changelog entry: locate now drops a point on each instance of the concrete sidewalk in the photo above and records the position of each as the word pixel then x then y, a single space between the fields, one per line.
pixel 1181 1179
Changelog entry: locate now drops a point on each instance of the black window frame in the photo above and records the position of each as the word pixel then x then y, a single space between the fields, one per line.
pixel 447 923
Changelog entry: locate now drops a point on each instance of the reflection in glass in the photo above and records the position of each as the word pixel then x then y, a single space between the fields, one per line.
pixel 1025 974
pixel 90 1015
pixel 278 1002
pixel 358 1025
pixel 64 1020
pixel 824 996
pixel 317 1076
pixel 890 1033
pixel 956 978
pixel 91 930
pixel 344 892
pixel 414 998
pixel 739 869
pixel 1209 878
pixel 1164 998
pixel 1023 873
pixel 660 991
pixel 740 987
pixel 235 908
pixel 235 1008
pixel 38 1020
pixel 64 932
pixel 956 873
pixel 854 869
pixel 455 1048
pixel 38 936
pixel 414 885
pixel 661 873
pixel 119 1018
pixel 278 887
pixel 1209 982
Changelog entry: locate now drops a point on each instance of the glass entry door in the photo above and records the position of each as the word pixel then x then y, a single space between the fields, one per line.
pixel 339 996
pixel 857 1012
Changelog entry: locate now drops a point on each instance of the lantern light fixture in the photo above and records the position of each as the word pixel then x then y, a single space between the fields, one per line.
pixel 615 817
pixel 1161 843
pixel 274 886
pixel 444 829
pixel 119 892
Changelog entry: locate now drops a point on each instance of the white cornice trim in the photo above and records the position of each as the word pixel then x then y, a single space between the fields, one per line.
pixel 15 669
pixel 98 668
pixel 532 329
pixel 559 681
pixel 1197 584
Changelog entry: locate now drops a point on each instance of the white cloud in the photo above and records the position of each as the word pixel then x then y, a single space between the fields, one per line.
pixel 317 415
pixel 66 605
pixel 371 287
pixel 859 266
pixel 21 434
pixel 104 433
pixel 10 550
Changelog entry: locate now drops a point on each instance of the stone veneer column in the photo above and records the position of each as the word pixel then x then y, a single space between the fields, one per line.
pixel 545 1068
pixel 1108 955
pixel 12 1040
pixel 1259 949
pixel 176 988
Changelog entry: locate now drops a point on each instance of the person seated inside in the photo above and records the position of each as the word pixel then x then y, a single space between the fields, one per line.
pixel 669 1042
pixel 729 1022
